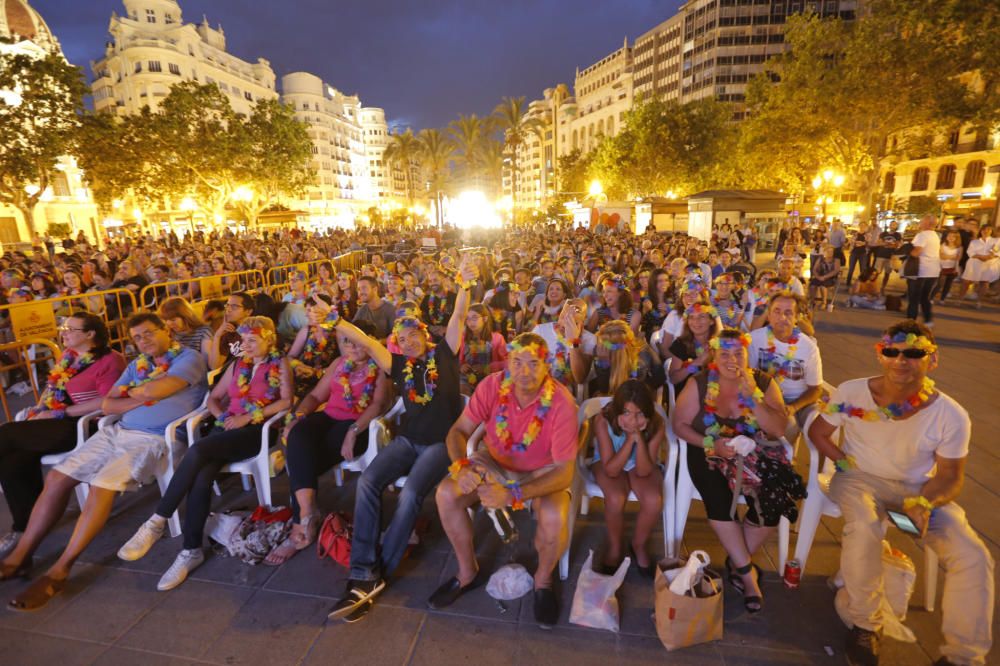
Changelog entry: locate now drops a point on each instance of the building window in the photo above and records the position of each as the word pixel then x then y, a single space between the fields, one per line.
pixel 138 67
pixel 150 16
pixel 945 177
pixel 890 182
pixel 174 69
pixel 921 179
pixel 974 174
pixel 168 18
pixel 154 66
pixel 247 96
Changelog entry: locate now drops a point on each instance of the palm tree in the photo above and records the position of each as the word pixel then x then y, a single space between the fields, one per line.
pixel 402 152
pixel 436 152
pixel 489 156
pixel 468 133
pixel 512 116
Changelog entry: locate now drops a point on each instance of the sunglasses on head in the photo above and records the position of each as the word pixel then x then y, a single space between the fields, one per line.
pixel 909 352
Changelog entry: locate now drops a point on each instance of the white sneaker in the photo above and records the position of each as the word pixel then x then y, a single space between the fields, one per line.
pixel 148 533
pixel 186 562
pixel 19 389
pixel 9 542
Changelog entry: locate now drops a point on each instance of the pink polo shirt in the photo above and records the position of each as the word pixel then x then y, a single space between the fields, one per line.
pixel 556 442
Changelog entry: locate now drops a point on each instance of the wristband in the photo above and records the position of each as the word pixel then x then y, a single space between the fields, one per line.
pixel 845 463
pixel 457 466
pixel 462 284
pixel 515 490
pixel 920 501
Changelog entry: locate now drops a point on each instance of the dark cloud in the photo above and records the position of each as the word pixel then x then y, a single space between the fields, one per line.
pixel 423 61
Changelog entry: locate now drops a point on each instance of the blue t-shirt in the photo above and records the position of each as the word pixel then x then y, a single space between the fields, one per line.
pixel 189 366
pixel 617 441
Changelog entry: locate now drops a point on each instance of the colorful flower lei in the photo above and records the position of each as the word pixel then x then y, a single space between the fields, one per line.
pixel 367 391
pixel 746 422
pixel 561 368
pixel 701 308
pixel 430 379
pixel 779 369
pixel 502 423
pixel 55 398
pixel 477 354
pixel 911 339
pixel 146 372
pixel 244 375
pixel 896 410
pixel 437 309
pixel 730 343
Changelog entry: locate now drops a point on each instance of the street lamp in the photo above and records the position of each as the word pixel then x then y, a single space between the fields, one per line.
pixel 188 205
pixel 825 182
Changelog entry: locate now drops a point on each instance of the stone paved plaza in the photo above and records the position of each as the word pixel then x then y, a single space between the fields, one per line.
pixel 230 613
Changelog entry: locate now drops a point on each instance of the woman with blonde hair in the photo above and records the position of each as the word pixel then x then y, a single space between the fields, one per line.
pixel 617 358
pixel 185 325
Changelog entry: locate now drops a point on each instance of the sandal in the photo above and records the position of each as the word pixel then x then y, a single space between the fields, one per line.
pixel 288 548
pixel 754 603
pixel 38 594
pixel 734 578
pixel 9 571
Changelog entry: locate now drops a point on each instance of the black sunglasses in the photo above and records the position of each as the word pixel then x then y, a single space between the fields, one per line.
pixel 909 352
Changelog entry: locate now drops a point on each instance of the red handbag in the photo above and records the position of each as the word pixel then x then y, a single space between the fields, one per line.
pixel 334 540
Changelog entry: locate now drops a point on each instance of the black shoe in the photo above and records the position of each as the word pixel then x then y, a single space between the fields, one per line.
pixel 360 593
pixel 546 608
pixel 648 571
pixel 754 603
pixel 862 647
pixel 451 590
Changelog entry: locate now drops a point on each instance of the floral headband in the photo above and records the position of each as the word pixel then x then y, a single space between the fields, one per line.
pixel 23 292
pixel 693 285
pixel 539 351
pixel 911 339
pixel 259 331
pixel 616 280
pixel 613 346
pixel 701 308
pixel 407 322
pixel 730 343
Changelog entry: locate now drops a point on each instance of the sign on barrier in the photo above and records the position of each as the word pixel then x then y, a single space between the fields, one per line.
pixel 33 320
pixel 211 287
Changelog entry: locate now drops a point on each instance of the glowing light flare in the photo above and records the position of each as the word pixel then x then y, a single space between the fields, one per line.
pixel 471 209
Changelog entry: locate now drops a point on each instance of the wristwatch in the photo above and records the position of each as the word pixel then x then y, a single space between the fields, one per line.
pixel 354 428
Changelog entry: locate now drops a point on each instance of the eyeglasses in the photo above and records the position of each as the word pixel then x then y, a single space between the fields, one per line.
pixel 66 329
pixel 909 352
pixel 233 306
pixel 148 335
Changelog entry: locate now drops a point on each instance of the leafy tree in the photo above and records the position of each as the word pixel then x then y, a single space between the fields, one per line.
pixel 436 152
pixel 490 156
pixel 516 126
pixel 573 168
pixel 39 114
pixel 402 153
pixel 469 134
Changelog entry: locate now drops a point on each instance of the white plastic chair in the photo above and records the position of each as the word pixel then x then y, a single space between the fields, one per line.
pixel 685 492
pixel 818 504
pixel 590 489
pixel 258 466
pixel 82 434
pixel 378 437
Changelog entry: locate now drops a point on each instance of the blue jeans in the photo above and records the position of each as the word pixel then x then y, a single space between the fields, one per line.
pixel 424 467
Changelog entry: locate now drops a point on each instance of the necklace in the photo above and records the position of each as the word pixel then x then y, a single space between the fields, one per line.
pixel 561 370
pixel 896 410
pixel 502 425
pixel 430 379
pixel 436 306
pixel 477 354
pixel 145 371
pixel 367 390
pixel 779 369
pixel 745 423
pixel 244 375
pixel 56 398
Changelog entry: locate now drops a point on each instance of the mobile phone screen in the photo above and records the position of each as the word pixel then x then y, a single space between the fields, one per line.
pixel 903 522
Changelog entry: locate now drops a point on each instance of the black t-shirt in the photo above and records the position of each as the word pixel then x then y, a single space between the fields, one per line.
pixel 685 351
pixel 430 423
pixel 883 252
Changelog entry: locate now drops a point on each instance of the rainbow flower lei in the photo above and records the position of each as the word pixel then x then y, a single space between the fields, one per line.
pixel 344 379
pixel 561 369
pixel 56 398
pixel 244 375
pixel 436 309
pixel 779 369
pixel 477 355
pixel 746 423
pixel 430 379
pixel 502 423
pixel 145 371
pixel 896 410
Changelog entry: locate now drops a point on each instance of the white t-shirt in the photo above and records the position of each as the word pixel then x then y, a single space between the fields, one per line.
pixel 588 341
pixel 930 253
pixel 673 324
pixel 901 450
pixel 803 371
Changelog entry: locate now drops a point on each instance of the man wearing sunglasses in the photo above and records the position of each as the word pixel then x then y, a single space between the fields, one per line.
pixel 904 449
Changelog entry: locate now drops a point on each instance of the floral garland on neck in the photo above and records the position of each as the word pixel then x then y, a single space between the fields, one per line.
pixel 502 423
pixel 689 365
pixel 477 354
pixel 367 390
pixel 146 371
pixel 56 398
pixel 746 422
pixel 244 375
pixel 318 338
pixel 727 314
pixel 561 369
pixel 779 369
pixel 436 308
pixel 430 379
pixel 896 410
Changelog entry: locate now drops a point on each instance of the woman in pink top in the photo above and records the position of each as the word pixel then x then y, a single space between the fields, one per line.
pixel 86 371
pixel 483 351
pixel 355 392
pixel 253 389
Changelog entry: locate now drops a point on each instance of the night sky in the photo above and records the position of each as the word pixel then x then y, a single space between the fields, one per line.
pixel 423 61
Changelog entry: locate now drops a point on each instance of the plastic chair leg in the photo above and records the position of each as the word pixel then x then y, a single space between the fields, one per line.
pixel 784 527
pixel 585 505
pixel 930 578
pixel 683 506
pixel 812 511
pixel 174 521
pixel 82 489
pixel 246 482
pixel 338 476
pixel 262 479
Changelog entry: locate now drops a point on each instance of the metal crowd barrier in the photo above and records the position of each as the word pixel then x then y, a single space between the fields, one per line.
pixel 29 359
pixel 202 288
pixel 278 275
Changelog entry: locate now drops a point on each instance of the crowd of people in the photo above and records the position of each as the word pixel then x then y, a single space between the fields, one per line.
pixel 498 345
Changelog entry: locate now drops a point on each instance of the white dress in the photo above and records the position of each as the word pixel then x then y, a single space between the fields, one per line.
pixel 977 270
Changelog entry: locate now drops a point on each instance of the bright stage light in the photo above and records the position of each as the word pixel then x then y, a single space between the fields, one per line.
pixel 471 209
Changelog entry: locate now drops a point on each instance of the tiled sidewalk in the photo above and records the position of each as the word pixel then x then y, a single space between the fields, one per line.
pixel 230 613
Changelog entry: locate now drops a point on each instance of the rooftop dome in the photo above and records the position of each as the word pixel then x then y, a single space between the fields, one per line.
pixel 17 18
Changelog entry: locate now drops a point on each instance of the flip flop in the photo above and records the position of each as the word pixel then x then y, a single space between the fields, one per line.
pixel 356 597
pixel 288 548
pixel 9 572
pixel 37 595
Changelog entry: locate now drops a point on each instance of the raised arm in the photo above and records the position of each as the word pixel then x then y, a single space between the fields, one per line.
pixel 379 354
pixel 456 325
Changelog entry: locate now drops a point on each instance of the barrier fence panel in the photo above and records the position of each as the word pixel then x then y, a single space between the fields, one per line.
pixel 201 288
pixel 278 275
pixel 41 319
pixel 29 355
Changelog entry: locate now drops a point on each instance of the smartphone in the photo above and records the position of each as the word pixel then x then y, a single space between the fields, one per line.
pixel 903 522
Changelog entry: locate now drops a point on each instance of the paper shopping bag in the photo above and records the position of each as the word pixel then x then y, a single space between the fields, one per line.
pixel 683 620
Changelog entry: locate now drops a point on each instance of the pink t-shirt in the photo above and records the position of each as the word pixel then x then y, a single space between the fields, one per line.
pixel 498 353
pixel 556 442
pixel 258 388
pixel 336 406
pixel 96 381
